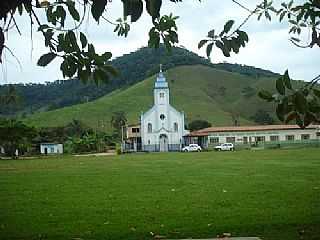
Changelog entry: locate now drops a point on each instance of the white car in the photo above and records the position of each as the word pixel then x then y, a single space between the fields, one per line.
pixel 192 148
pixel 224 147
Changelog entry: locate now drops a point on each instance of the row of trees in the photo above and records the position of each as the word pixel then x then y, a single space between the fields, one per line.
pixel 17 138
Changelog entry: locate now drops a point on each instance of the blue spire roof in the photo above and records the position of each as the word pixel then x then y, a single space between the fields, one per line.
pixel 161 80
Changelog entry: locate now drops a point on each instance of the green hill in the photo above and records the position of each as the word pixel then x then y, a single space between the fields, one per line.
pixel 202 92
pixel 133 68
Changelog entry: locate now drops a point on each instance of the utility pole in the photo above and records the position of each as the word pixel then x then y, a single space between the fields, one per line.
pixel 122 139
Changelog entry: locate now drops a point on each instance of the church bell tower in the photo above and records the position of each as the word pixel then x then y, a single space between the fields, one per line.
pixel 161 90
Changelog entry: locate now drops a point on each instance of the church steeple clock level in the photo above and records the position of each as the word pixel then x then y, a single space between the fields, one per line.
pixel 161 89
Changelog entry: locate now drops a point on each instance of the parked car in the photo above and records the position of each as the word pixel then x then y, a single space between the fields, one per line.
pixel 224 147
pixel 192 148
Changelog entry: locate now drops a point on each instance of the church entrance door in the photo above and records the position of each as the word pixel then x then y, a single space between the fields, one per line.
pixel 163 143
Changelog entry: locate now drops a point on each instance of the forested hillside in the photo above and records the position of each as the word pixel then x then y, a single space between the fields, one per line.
pixel 133 67
pixel 202 92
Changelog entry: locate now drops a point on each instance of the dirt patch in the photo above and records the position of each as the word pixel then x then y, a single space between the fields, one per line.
pixel 96 154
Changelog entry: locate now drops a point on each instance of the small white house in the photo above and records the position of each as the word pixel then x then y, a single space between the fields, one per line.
pixel 2 150
pixel 51 148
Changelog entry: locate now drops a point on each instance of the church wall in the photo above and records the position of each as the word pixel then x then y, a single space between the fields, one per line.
pixel 162 116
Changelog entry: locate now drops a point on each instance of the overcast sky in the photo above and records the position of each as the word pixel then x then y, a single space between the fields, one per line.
pixel 268 47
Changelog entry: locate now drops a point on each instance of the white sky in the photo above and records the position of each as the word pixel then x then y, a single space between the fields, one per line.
pixel 268 47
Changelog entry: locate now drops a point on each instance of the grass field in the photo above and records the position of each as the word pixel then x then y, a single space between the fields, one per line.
pixel 273 194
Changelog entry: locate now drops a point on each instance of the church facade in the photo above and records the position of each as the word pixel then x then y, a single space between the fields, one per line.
pixel 161 128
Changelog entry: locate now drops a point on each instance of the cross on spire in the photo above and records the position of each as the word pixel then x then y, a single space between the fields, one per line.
pixel 160 67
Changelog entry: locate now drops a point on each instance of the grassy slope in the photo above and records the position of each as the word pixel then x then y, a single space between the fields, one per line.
pixel 193 90
pixel 272 194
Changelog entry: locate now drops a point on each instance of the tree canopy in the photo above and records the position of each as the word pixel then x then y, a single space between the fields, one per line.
pixel 198 124
pixel 15 135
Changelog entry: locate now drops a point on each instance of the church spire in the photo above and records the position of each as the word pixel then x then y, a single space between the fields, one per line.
pixel 161 80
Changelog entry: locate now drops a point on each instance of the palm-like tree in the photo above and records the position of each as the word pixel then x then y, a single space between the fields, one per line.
pixel 118 120
pixel 12 97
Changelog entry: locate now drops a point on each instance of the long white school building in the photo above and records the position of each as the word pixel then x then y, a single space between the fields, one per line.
pixel 254 135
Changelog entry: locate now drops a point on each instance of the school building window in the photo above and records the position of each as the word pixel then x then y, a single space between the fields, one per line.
pixel 305 136
pixel 214 140
pixel 261 139
pixel 274 138
pixel 290 137
pixel 231 139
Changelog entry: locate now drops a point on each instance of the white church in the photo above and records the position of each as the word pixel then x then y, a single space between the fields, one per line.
pixel 161 128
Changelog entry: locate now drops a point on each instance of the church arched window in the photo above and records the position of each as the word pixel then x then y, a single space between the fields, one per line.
pixel 149 128
pixel 175 127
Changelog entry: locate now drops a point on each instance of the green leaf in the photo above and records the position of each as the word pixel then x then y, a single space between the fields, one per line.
pixel 219 44
pixel 71 39
pixel 132 8
pixel 266 13
pixel 226 44
pixel 228 26
pixel 106 56
pixel 209 49
pixel 235 45
pixel 73 11
pixel 280 86
pixel 211 34
pixel 83 40
pixel 43 27
pixel 61 13
pixel 287 80
pixel 282 16
pixel 225 51
pixel 153 8
pixel 223 48
pixel 48 37
pixel 201 43
pixel 45 59
pixel 154 38
pixel 97 8
pixel 69 66
pixel 20 9
pixel 243 36
pixel 295 39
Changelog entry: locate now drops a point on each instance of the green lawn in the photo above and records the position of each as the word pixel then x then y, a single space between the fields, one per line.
pixel 273 194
